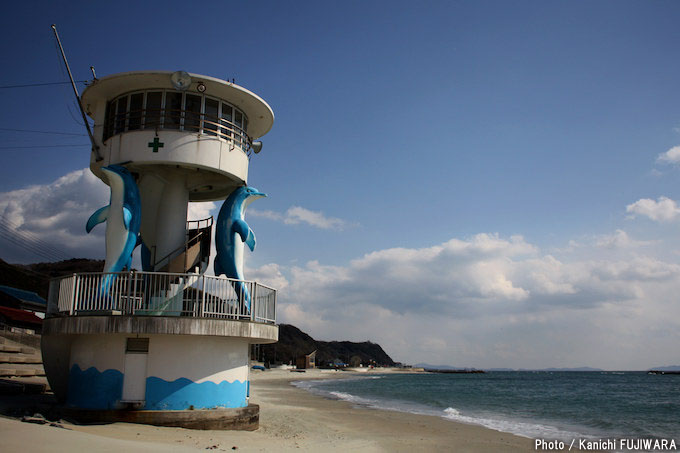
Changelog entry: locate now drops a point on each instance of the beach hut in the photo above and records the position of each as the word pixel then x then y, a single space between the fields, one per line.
pixel 306 361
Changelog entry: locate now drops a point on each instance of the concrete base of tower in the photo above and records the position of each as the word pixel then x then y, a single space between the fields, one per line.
pixel 111 363
pixel 242 418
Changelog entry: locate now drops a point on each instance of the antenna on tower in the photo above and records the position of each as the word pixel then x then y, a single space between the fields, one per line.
pixel 95 148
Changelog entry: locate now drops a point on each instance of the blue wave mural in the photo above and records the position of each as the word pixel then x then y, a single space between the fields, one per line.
pixel 183 393
pixel 94 389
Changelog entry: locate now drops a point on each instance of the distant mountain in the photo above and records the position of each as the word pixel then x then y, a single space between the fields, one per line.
pixel 22 277
pixel 294 343
pixel 449 367
pixel 583 368
pixel 439 367
pixel 667 368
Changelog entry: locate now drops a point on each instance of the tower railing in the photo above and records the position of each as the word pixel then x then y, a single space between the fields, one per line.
pixel 161 294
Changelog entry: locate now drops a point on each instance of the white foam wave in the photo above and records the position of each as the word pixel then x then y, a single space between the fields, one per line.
pixel 519 428
pixel 498 423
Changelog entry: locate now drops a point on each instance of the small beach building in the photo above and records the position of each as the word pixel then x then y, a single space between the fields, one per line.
pixel 22 299
pixel 306 361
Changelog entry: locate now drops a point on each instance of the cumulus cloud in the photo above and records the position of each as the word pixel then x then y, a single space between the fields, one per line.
pixel 490 297
pixel 296 215
pixel 619 240
pixel 52 217
pixel 47 222
pixel 672 156
pixel 202 210
pixel 662 210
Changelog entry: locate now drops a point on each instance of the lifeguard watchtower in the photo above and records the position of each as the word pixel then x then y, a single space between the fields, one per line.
pixel 168 338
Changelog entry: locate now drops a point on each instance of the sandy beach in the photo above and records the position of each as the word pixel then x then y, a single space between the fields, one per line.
pixel 291 419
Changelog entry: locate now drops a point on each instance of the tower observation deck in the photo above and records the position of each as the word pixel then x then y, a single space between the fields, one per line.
pixel 168 338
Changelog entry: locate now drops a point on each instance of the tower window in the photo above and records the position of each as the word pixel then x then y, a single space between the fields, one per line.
pixel 176 110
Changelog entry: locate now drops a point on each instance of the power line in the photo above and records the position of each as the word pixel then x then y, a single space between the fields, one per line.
pixel 31 236
pixel 30 241
pixel 41 132
pixel 28 85
pixel 27 246
pixel 46 146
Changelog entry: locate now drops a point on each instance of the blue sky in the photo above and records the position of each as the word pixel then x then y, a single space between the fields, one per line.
pixel 523 132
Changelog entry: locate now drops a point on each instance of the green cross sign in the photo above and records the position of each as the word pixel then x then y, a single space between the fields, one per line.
pixel 155 144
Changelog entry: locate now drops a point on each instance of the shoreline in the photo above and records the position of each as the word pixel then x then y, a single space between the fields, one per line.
pixel 291 418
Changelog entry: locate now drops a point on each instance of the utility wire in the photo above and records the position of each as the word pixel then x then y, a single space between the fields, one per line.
pixel 29 241
pixel 28 85
pixel 18 239
pixel 41 132
pixel 28 246
pixel 45 146
pixel 5 223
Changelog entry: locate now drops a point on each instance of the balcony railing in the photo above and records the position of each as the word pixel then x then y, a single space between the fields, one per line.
pixel 161 294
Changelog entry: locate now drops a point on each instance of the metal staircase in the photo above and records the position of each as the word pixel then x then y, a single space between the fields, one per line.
pixel 194 255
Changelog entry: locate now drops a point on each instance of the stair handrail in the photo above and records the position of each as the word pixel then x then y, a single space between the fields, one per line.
pixel 184 247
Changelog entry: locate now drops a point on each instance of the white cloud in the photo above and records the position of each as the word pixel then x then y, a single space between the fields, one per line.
pixel 202 210
pixel 268 274
pixel 296 215
pixel 53 216
pixel 662 210
pixel 619 240
pixel 672 156
pixel 491 301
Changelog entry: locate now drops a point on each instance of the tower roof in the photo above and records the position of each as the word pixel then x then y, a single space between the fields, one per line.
pixel 259 113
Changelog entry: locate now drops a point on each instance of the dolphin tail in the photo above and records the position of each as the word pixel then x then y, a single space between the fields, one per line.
pixel 243 294
pixel 218 267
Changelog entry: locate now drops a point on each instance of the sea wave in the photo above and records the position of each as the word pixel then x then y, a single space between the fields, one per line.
pixel 497 423
pixel 519 428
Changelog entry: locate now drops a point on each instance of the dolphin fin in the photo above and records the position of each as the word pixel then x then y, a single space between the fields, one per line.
pixel 99 216
pixel 127 217
pixel 250 240
pixel 241 227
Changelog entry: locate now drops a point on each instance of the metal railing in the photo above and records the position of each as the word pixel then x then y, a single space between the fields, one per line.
pixel 161 294
pixel 178 120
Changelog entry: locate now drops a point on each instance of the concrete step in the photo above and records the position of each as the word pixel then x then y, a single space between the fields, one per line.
pixel 21 372
pixel 19 358
pixel 17 348
pixel 10 349
pixel 23 385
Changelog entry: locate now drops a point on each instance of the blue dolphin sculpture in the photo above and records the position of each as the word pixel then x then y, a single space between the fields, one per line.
pixel 231 233
pixel 123 218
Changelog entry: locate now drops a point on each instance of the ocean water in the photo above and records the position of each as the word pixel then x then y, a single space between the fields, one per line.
pixel 549 405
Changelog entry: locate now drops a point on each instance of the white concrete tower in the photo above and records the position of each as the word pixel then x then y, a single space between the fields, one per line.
pixel 185 137
pixel 154 345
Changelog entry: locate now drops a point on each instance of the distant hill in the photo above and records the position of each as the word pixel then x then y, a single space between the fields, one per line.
pixel 429 366
pixel 23 278
pixel 667 368
pixel 36 277
pixel 449 367
pixel 294 343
